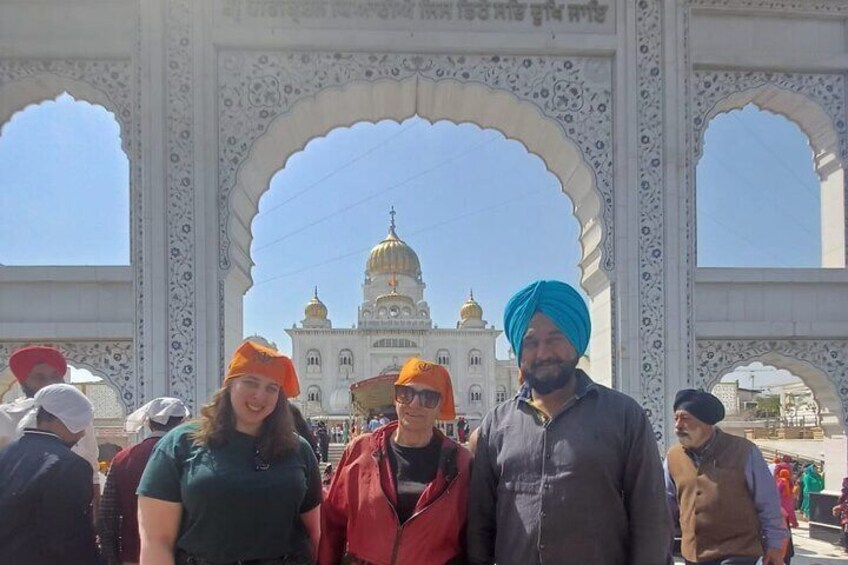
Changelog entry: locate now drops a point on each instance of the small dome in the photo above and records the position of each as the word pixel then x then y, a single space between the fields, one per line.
pixel 393 256
pixel 471 310
pixel 315 308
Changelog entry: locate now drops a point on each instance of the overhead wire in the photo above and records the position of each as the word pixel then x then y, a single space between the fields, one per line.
pixel 339 169
pixel 729 169
pixel 373 196
pixel 764 145
pixel 430 227
pixel 754 246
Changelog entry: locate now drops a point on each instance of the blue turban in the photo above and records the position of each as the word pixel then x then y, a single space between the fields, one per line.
pixel 559 302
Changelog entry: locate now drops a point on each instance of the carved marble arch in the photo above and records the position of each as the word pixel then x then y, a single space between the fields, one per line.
pixel 17 95
pixel 821 364
pixel 110 360
pixel 433 100
pixel 812 101
pixel 799 108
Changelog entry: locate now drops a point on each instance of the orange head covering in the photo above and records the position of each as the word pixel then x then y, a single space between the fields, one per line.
pixel 417 370
pixel 25 359
pixel 254 359
pixel 784 474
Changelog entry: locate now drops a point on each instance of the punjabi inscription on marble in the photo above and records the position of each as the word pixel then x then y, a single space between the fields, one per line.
pixel 486 15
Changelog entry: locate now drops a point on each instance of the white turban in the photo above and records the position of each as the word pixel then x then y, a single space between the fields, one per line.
pixel 67 404
pixel 160 410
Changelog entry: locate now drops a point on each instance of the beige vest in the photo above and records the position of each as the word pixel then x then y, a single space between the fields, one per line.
pixel 717 514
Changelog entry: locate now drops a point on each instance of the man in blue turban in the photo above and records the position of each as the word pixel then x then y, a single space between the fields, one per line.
pixel 568 471
pixel 547 313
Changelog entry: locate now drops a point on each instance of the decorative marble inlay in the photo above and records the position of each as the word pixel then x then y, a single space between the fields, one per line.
pixel 182 299
pixel 650 158
pixel 256 87
pixel 716 358
pixel 812 7
pixel 111 360
pixel 709 87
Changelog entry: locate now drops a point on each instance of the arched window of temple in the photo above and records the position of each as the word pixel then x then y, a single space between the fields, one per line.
pixel 313 361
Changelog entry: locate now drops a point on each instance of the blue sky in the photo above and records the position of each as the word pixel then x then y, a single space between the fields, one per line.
pixel 479 210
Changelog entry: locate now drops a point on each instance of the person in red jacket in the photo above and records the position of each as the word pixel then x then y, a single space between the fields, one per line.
pixel 400 494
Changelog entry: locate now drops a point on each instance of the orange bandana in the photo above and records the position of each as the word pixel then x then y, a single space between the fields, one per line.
pixel 254 359
pixel 417 370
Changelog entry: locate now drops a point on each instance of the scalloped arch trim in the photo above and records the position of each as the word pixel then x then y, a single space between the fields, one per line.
pixel 824 389
pixel 450 100
pixel 17 96
pixel 799 109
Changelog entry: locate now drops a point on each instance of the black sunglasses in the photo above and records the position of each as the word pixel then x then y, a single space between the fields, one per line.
pixel 406 394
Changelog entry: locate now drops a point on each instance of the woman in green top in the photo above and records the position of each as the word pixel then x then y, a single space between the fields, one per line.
pixel 811 481
pixel 239 484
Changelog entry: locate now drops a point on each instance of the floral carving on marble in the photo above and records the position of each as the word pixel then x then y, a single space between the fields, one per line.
pixel 650 158
pixel 256 87
pixel 716 358
pixel 812 7
pixel 111 360
pixel 182 330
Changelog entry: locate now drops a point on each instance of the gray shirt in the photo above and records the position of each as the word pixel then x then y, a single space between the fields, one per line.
pixel 585 488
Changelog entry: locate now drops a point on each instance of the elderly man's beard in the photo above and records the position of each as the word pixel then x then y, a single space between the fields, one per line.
pixel 549 384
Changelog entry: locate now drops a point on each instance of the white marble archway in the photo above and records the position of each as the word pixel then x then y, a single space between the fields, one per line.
pixel 111 360
pixel 821 364
pixel 541 110
pixel 815 102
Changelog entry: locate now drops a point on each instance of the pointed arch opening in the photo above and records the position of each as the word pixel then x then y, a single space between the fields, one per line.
pixel 434 101
pixel 825 185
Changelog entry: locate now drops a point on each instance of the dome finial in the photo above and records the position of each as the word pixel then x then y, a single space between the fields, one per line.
pixel 471 313
pixel 392 223
pixel 315 293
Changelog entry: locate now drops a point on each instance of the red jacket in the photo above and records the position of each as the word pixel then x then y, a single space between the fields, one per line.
pixel 359 520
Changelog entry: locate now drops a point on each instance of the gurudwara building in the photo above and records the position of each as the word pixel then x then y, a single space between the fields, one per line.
pixel 393 324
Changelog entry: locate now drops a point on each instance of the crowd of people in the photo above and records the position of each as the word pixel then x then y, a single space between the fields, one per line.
pixel 566 472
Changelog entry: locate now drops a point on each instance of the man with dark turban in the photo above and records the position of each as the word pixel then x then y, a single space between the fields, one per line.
pixel 720 489
pixel 567 472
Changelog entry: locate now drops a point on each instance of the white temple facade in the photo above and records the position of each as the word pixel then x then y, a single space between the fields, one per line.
pixel 394 324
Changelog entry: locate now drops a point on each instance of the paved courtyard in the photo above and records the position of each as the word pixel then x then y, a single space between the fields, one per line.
pixel 812 552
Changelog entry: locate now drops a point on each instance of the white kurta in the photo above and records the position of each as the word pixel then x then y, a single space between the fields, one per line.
pixel 20 414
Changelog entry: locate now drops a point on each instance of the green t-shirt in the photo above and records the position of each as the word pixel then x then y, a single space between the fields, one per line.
pixel 232 510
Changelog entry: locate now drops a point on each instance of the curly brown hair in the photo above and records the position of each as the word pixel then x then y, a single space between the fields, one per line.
pixel 277 435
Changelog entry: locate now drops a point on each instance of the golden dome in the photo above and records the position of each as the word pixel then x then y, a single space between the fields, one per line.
pixel 393 256
pixel 316 308
pixel 471 310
